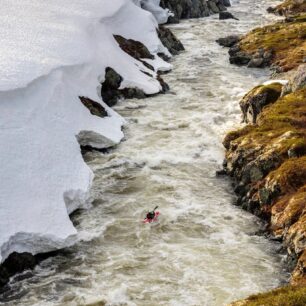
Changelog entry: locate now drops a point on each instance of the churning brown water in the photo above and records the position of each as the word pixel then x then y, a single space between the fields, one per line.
pixel 203 250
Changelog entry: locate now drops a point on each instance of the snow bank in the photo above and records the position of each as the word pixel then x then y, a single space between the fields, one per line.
pixel 51 53
pixel 153 6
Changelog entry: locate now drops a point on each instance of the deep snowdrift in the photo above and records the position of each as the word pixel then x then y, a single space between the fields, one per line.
pixel 51 53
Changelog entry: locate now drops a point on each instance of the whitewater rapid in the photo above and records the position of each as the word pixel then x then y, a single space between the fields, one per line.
pixel 204 250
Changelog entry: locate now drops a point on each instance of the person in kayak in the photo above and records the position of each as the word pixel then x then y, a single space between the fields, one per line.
pixel 151 214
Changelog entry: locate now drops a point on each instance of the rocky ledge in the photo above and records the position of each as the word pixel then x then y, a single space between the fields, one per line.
pixel 267 157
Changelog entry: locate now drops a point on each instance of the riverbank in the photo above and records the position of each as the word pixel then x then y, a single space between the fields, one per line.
pixel 266 158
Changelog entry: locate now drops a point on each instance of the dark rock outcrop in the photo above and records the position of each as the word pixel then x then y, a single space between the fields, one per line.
pixel 169 40
pixel 134 48
pixel 94 107
pixel 110 91
pixel 110 87
pixel 183 9
pixel 16 263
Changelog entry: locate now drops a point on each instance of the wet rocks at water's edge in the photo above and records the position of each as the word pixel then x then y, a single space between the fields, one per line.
pixel 16 263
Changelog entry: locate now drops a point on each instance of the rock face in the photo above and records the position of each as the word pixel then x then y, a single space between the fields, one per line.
pixel 267 161
pixel 110 87
pixel 183 9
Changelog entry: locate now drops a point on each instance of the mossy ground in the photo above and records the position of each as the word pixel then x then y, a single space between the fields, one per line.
pixel 286 40
pixel 285 296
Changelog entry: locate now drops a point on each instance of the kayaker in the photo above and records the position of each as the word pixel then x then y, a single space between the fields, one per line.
pixel 151 214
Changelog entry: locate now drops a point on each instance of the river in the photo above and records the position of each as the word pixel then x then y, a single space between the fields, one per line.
pixel 204 250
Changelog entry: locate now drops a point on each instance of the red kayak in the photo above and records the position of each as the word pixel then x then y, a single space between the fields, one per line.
pixel 146 220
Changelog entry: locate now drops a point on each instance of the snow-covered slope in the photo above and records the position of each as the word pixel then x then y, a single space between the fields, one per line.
pixel 51 53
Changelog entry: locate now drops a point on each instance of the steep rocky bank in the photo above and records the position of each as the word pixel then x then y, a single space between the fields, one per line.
pixel 267 157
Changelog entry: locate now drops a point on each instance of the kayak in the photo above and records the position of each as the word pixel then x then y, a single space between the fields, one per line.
pixel 146 220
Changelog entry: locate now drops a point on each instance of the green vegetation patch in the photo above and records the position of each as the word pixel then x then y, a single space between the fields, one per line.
pixel 285 296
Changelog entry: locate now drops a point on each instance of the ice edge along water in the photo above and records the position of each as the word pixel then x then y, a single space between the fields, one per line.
pixel 51 54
